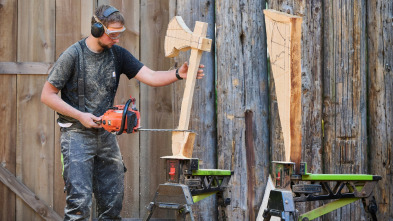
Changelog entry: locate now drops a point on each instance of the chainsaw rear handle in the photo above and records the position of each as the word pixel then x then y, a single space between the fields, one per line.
pixel 123 118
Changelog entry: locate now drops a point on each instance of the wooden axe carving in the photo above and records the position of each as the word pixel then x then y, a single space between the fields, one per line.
pixel 180 38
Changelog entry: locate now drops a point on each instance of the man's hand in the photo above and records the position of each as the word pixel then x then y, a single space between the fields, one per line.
pixel 90 121
pixel 184 69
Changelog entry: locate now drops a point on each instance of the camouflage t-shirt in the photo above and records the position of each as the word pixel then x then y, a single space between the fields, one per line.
pixel 99 74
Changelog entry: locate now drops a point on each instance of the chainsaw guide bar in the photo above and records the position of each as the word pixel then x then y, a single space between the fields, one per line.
pixel 165 130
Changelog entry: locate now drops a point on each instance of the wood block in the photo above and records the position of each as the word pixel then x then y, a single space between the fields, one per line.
pixel 284 46
pixel 183 144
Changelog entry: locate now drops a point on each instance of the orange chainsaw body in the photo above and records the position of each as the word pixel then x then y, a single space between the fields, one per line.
pixel 112 120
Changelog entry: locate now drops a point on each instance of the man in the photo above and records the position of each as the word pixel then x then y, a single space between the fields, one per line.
pixel 87 73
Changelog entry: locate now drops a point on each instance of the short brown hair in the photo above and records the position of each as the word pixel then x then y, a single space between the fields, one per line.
pixel 114 17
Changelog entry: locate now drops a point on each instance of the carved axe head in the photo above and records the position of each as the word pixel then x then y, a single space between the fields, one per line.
pixel 180 38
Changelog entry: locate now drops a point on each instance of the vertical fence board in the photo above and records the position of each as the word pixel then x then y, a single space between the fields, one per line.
pixel 203 114
pixel 242 106
pixel 345 94
pixel 380 55
pixel 8 142
pixel 8 32
pixel 35 152
pixel 156 104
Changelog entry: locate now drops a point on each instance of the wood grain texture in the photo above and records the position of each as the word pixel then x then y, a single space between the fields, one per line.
pixel 344 94
pixel 25 67
pixel 156 103
pixel 380 89
pixel 284 43
pixel 28 197
pixel 8 142
pixel 36 27
pixel 35 152
pixel 203 113
pixel 242 104
pixel 35 139
pixel 8 34
pixel 8 29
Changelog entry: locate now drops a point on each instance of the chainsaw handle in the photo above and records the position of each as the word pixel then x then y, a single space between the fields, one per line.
pixel 123 118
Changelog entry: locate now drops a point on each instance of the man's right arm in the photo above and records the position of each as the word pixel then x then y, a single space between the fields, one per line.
pixel 51 99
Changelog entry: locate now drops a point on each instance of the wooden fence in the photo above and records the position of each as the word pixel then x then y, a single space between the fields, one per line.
pixel 347 115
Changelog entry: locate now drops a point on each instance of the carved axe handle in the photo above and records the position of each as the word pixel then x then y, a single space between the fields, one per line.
pixel 180 38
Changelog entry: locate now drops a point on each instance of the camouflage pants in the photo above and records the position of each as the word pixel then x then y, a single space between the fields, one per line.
pixel 92 164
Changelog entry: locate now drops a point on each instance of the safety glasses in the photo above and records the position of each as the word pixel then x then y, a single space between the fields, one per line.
pixel 114 33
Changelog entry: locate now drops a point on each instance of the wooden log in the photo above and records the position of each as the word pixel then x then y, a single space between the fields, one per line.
pixel 283 41
pixel 380 100
pixel 27 195
pixel 242 105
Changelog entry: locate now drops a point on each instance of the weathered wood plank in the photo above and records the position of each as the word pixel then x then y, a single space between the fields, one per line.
pixel 242 99
pixel 68 24
pixel 8 142
pixel 29 197
pixel 345 94
pixel 8 30
pixel 87 9
pixel 35 152
pixel 203 117
pixel 380 63
pixel 8 34
pixel 156 103
pixel 25 67
pixel 36 27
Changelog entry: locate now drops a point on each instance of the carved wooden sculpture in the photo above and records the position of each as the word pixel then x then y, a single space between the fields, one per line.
pixel 283 40
pixel 180 38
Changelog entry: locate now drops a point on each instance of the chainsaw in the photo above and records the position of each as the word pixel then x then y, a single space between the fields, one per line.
pixel 122 118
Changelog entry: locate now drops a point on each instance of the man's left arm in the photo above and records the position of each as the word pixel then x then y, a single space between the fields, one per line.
pixel 162 78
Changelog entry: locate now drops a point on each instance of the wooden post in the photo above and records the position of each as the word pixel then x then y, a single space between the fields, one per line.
pixel 180 38
pixel 283 39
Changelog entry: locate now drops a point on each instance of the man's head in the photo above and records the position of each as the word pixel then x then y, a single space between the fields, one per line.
pixel 107 24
